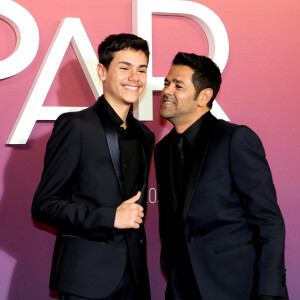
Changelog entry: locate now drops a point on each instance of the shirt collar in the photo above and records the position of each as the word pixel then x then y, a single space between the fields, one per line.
pixel 114 117
pixel 192 132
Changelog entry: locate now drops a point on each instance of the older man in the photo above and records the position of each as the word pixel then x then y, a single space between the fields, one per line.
pixel 221 229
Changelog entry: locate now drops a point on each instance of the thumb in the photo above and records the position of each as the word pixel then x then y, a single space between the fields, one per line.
pixel 135 198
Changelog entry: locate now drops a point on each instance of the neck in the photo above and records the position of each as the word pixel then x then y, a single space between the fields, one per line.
pixel 182 125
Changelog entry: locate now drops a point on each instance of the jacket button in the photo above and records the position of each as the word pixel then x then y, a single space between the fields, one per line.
pixel 191 240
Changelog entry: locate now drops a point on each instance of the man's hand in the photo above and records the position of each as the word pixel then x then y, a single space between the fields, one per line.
pixel 129 214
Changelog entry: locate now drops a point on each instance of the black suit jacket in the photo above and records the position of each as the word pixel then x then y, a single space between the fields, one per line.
pixel 231 222
pixel 81 187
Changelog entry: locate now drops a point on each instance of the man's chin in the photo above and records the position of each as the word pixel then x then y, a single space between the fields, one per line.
pixel 164 115
pixel 131 100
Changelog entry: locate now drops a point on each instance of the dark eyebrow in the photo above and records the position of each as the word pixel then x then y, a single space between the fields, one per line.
pixel 130 65
pixel 178 81
pixel 175 81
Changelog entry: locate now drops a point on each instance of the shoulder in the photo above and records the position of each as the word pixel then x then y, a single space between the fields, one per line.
pixel 76 115
pixel 234 130
pixel 145 130
pixel 235 136
pixel 226 127
pixel 75 119
pixel 244 137
pixel 240 137
pixel 164 143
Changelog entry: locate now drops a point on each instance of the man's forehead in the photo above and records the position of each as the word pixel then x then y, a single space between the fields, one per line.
pixel 180 73
pixel 130 55
pixel 130 52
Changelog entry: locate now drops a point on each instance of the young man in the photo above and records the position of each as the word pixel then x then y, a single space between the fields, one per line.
pixel 95 160
pixel 221 229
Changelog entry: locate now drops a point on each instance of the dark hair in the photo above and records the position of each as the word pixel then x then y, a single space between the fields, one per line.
pixel 206 72
pixel 117 42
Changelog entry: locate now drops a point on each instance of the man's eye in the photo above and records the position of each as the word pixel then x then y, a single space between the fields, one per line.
pixel 124 68
pixel 166 84
pixel 142 71
pixel 178 86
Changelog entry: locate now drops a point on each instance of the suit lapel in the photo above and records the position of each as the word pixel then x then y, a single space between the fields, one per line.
pixel 112 141
pixel 114 149
pixel 203 139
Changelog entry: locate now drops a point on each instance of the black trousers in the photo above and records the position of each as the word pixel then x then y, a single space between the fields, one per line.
pixel 178 289
pixel 124 291
pixel 182 284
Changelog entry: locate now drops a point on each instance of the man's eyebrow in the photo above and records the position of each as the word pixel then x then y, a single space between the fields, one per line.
pixel 175 81
pixel 178 81
pixel 130 64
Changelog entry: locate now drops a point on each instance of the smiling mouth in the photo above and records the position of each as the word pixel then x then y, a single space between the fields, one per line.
pixel 129 87
pixel 166 100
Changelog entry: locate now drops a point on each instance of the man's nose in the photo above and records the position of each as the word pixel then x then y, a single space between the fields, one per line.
pixel 134 76
pixel 168 90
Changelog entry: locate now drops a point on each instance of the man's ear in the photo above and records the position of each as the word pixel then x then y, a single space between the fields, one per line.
pixel 205 96
pixel 101 72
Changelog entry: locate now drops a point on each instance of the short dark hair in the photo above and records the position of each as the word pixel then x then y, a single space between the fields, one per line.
pixel 117 42
pixel 206 72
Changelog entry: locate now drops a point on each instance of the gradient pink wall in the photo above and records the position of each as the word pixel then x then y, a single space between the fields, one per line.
pixel 260 89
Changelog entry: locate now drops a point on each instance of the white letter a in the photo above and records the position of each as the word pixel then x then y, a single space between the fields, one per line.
pixel 69 31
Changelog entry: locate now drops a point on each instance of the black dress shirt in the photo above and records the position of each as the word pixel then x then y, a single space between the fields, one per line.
pixel 130 152
pixel 189 149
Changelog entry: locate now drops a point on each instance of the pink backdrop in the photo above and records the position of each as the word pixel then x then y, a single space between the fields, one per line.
pixel 260 89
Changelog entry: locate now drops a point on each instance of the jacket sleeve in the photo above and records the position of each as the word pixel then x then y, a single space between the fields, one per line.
pixel 52 203
pixel 253 181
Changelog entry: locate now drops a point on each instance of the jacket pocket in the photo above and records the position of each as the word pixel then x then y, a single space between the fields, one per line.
pixel 233 247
